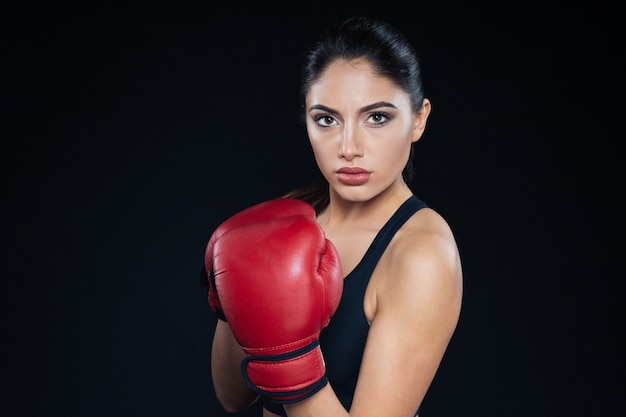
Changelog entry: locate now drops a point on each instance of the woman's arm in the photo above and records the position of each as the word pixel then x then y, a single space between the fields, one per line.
pixel 417 308
pixel 226 357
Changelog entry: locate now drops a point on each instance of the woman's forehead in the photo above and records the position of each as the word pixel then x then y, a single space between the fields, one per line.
pixel 354 81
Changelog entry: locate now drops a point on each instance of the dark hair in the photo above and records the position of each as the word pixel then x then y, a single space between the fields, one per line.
pixel 388 52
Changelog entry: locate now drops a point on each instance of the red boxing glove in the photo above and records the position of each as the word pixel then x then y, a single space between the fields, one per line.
pixel 255 214
pixel 280 281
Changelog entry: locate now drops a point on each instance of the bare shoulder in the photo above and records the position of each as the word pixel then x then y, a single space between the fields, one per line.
pixel 422 261
pixel 427 237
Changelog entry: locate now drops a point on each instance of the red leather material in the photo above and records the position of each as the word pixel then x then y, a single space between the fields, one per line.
pixel 257 213
pixel 279 376
pixel 279 281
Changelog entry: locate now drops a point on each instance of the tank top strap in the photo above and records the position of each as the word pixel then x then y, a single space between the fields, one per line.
pixel 386 233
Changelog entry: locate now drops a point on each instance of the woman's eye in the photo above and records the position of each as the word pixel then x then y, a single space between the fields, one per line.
pixel 325 120
pixel 377 118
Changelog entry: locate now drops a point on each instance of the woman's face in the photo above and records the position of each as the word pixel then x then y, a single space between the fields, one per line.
pixel 361 127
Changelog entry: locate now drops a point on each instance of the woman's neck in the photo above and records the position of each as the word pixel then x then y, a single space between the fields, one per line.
pixel 371 213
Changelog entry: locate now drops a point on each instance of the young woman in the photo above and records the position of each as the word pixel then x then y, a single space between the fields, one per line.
pixel 364 108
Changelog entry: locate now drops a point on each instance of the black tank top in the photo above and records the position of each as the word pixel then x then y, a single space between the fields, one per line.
pixel 343 340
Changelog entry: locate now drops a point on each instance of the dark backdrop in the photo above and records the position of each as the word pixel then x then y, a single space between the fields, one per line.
pixel 130 132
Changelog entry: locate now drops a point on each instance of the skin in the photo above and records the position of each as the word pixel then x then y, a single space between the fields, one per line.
pixel 356 118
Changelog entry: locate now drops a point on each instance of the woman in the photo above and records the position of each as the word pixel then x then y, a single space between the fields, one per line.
pixel 364 109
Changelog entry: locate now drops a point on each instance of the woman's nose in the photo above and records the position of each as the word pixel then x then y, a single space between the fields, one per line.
pixel 351 145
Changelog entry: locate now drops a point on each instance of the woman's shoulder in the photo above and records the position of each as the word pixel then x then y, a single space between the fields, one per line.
pixel 424 248
pixel 425 231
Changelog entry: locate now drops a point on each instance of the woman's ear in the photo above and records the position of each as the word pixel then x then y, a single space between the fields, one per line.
pixel 419 123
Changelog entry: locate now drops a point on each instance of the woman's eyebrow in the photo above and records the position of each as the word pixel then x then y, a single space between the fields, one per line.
pixel 369 107
pixel 377 105
pixel 322 107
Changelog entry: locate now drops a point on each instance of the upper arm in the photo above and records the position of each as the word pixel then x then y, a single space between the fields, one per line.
pixel 417 310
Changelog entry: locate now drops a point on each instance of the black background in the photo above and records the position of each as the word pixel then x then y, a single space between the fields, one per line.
pixel 130 132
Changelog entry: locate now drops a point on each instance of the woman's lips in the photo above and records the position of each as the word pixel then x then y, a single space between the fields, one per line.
pixel 353 176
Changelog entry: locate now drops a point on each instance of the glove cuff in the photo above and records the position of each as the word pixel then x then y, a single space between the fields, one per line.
pixel 288 377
